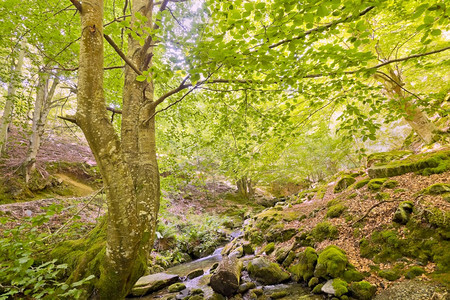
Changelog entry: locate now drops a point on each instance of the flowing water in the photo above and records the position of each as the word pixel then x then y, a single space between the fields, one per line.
pixel 295 290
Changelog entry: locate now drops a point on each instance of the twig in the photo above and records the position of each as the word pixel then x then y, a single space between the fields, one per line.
pixel 76 214
pixel 370 209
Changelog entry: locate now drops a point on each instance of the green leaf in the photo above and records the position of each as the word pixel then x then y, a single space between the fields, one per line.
pixel 435 32
pixel 141 78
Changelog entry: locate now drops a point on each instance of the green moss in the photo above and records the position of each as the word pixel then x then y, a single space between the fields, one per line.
pixel 269 248
pixel 324 231
pixel 340 287
pixel 352 274
pixel 344 183
pixel 423 164
pixel 403 212
pixel 376 184
pixel 437 189
pixel 176 287
pixel 317 289
pixel 382 196
pixel 363 290
pixel 390 275
pixel 313 282
pixel 335 211
pixel 332 261
pixel 390 184
pixel 386 157
pixel 362 183
pixel 351 196
pixel 414 272
pixel 307 261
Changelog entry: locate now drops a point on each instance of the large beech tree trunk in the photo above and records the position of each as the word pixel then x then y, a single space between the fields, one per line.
pixel 128 166
pixel 5 122
pixel 416 118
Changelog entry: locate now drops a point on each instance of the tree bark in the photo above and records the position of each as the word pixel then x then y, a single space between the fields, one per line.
pixel 416 118
pixel 227 276
pixel 128 166
pixel 245 187
pixel 42 108
pixel 5 122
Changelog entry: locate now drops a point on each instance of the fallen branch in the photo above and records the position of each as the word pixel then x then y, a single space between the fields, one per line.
pixel 370 209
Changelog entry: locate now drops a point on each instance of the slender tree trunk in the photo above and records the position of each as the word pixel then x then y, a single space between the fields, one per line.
pixel 416 118
pixel 42 108
pixel 5 122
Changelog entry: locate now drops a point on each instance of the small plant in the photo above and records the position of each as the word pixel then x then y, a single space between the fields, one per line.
pixel 22 274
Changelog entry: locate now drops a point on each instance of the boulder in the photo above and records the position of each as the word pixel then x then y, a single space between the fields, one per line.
pixel 151 283
pixel 332 261
pixel 362 290
pixel 266 272
pixel 195 273
pixel 403 212
pixel 344 183
pixel 176 287
pixel 306 264
pixel 336 287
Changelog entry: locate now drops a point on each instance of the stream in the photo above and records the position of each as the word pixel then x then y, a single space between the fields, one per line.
pixel 295 291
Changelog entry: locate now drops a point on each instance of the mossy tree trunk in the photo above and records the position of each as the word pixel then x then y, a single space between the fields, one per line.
pixel 128 165
pixel 416 118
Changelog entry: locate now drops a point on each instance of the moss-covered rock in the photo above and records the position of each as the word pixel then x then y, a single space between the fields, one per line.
pixel 248 248
pixel 278 295
pixel 403 212
pixel 318 288
pixel 313 282
pixel 289 259
pixel 376 184
pixel 335 211
pixel 195 273
pixel 362 183
pixel 324 231
pixel 281 253
pixel 307 261
pixel 343 183
pixel 266 272
pixel 332 261
pixel 438 189
pixel 414 272
pixel 351 275
pixel 390 275
pixel 152 283
pixel 362 290
pixel 386 157
pixel 243 288
pixel 423 164
pixel 339 286
pixel 176 287
pixel 390 184
pixel 269 248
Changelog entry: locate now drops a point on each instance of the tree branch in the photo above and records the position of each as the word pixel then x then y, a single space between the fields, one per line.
pixel 69 119
pixel 76 4
pixel 370 209
pixel 321 28
pixel 379 65
pixel 121 54
pixel 116 111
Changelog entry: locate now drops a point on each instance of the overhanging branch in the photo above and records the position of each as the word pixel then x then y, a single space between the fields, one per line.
pixel 121 54
pixel 322 28
pixel 76 4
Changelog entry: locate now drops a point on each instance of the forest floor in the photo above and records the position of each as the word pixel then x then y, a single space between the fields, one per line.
pixel 217 197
